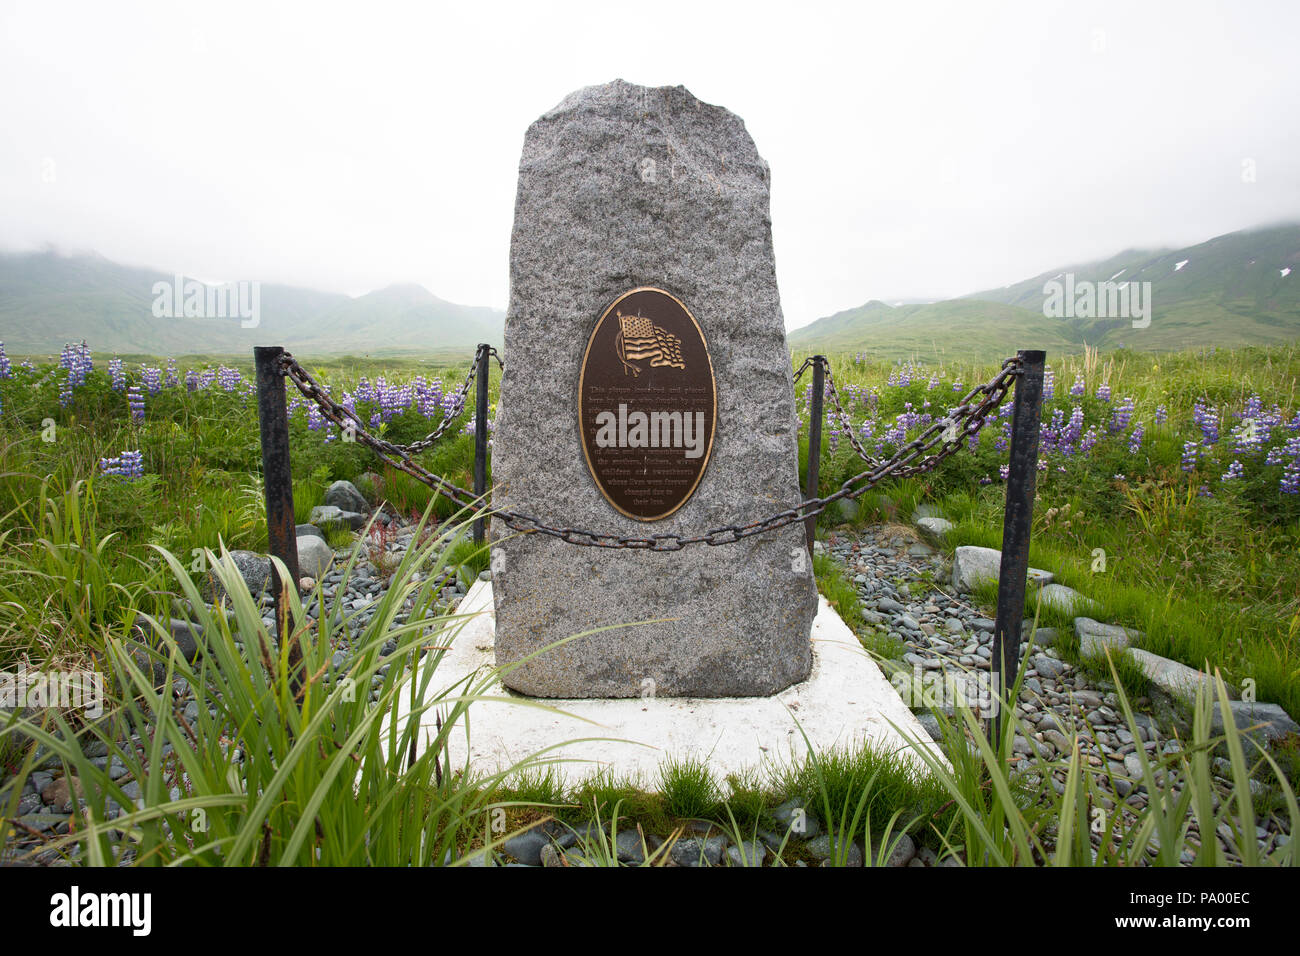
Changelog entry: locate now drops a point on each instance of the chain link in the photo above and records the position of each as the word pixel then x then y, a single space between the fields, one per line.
pixel 947 433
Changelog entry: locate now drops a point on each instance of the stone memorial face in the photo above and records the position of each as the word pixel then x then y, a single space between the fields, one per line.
pixel 643 287
pixel 647 406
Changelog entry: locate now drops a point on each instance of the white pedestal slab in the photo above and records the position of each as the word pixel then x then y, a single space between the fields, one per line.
pixel 846 701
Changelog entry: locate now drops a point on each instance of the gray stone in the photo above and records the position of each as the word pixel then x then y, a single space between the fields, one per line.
pixel 527 847
pixel 1095 637
pixel 305 529
pixel 1267 722
pixel 694 851
pixel 629 846
pixel 622 186
pixel 329 514
pixel 254 568
pixel 799 820
pixel 344 496
pixel 1177 680
pixel 930 724
pixel 1048 667
pixel 1042 637
pixel 314 555
pixel 747 853
pixel 901 855
pixel 1064 599
pixel 822 848
pixel 550 856
pixel 936 527
pixel 972 566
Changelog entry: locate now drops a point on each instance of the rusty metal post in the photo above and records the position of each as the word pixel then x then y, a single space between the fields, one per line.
pixel 480 434
pixel 1017 522
pixel 816 415
pixel 281 529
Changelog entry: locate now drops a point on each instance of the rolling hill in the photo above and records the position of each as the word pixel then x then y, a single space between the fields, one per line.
pixel 1229 291
pixel 48 299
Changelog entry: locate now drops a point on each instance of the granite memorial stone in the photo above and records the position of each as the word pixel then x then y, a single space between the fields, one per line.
pixel 647 390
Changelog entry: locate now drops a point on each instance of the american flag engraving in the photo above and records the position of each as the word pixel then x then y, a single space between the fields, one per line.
pixel 640 339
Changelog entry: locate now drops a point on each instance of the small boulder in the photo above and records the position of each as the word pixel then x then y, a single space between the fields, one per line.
pixel 972 566
pixel 305 529
pixel 1095 638
pixel 1177 680
pixel 254 568
pixel 937 528
pixel 1267 722
pixel 1065 599
pixel 345 496
pixel 314 556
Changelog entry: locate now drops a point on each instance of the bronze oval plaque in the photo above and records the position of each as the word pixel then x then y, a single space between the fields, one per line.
pixel 647 404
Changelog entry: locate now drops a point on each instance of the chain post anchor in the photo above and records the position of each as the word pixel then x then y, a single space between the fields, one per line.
pixel 281 528
pixel 1017 523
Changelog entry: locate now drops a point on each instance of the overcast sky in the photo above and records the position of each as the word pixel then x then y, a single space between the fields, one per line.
pixel 916 150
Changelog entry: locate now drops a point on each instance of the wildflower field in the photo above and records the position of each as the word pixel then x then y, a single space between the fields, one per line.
pixel 1166 491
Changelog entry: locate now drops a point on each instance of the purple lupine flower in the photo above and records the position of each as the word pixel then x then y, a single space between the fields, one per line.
pixel 1250 436
pixel 986 480
pixel 1293 424
pixel 1052 431
pixel 1235 470
pixel 1103 391
pixel 172 378
pixel 1191 454
pixel 152 378
pixel 1089 440
pixel 1001 443
pixel 1121 415
pixel 1073 430
pixel 135 400
pixel 4 362
pixel 1004 471
pixel 1278 453
pixel 1162 414
pixel 228 378
pixel 191 380
pixel 117 374
pixel 1135 439
pixel 956 386
pixel 1049 384
pixel 1204 492
pixel 128 465
pixel 933 383
pixel 1290 483
pixel 1207 417
pixel 1077 389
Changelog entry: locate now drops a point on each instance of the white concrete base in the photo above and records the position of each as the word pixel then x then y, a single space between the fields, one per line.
pixel 845 701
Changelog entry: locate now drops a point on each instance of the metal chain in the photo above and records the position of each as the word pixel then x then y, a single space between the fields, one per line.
pixel 845 425
pixel 962 421
pixel 457 407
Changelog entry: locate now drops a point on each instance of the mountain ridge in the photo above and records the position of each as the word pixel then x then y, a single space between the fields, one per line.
pixel 49 298
pixel 1229 290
